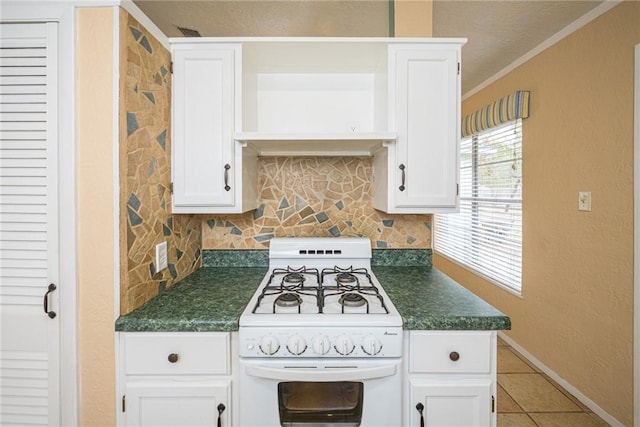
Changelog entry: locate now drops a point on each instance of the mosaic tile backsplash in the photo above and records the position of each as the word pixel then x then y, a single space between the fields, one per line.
pixel 315 197
pixel 146 175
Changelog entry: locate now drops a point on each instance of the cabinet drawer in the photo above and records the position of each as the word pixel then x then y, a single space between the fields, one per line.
pixel 149 353
pixel 450 352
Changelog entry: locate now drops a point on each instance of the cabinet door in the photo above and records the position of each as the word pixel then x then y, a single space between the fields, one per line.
pixel 203 125
pixel 464 402
pixel 425 89
pixel 177 403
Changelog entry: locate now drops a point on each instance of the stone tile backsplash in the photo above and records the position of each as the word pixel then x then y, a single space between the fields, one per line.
pixel 315 197
pixel 145 175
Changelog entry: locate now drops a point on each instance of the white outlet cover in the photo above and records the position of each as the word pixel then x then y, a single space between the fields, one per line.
pixel 161 256
pixel 584 201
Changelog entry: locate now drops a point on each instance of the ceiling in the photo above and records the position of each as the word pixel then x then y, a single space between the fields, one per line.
pixel 498 32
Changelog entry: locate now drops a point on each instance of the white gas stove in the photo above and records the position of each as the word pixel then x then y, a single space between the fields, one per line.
pixel 320 341
pixel 320 299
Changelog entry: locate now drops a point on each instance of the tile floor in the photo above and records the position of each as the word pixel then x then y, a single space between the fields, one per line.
pixel 529 398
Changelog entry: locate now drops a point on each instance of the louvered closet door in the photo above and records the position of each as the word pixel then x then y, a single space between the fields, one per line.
pixel 29 344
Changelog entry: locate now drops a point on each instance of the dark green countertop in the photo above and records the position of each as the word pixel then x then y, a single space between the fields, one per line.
pixel 428 299
pixel 212 299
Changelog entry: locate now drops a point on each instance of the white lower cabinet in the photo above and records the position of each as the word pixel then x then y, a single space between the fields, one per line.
pixel 185 378
pixel 171 379
pixel 175 403
pixel 455 402
pixel 451 379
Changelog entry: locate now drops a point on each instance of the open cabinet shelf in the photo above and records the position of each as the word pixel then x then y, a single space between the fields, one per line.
pixel 316 144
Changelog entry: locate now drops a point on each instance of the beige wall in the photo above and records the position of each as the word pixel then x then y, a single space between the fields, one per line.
pixel 96 210
pixel 576 310
pixel 413 18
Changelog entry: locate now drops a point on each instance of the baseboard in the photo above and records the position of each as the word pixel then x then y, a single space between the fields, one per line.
pixel 557 378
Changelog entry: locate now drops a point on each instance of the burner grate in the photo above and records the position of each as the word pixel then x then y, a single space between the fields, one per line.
pixel 291 283
pixel 353 287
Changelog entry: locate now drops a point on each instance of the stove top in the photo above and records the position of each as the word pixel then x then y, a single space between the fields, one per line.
pixel 335 290
pixel 320 289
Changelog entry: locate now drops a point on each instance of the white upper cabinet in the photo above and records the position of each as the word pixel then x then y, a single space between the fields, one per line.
pixel 419 173
pixel 397 100
pixel 209 166
pixel 314 96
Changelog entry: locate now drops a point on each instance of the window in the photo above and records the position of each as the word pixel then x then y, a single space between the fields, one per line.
pixel 486 236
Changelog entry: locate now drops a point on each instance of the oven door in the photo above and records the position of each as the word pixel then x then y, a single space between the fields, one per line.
pixel 320 393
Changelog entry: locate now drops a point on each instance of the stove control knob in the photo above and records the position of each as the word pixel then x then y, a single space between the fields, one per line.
pixel 321 344
pixel 269 345
pixel 296 345
pixel 371 345
pixel 344 345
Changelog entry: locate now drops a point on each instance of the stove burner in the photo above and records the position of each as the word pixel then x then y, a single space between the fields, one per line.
pixel 293 278
pixel 352 300
pixel 288 299
pixel 346 279
pixel 292 281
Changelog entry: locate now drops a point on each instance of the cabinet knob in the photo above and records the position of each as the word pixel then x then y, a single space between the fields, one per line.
pixel 454 356
pixel 173 357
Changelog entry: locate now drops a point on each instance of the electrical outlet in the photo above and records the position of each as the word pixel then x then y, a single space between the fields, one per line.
pixel 584 201
pixel 161 256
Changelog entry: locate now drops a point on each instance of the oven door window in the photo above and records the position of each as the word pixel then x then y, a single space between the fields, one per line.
pixel 305 404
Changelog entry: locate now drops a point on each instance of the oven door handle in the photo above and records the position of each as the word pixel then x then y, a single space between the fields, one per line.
pixel 326 374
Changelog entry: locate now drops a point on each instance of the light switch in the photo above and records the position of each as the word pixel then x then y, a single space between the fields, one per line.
pixel 584 201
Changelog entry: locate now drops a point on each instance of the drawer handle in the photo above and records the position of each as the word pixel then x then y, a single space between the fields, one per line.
pixel 420 408
pixel 221 409
pixel 173 357
pixel 226 177
pixel 454 356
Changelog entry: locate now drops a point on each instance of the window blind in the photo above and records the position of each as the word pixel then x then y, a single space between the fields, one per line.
pixel 486 236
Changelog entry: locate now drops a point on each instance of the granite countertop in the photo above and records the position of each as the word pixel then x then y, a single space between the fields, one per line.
pixel 212 299
pixel 428 299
